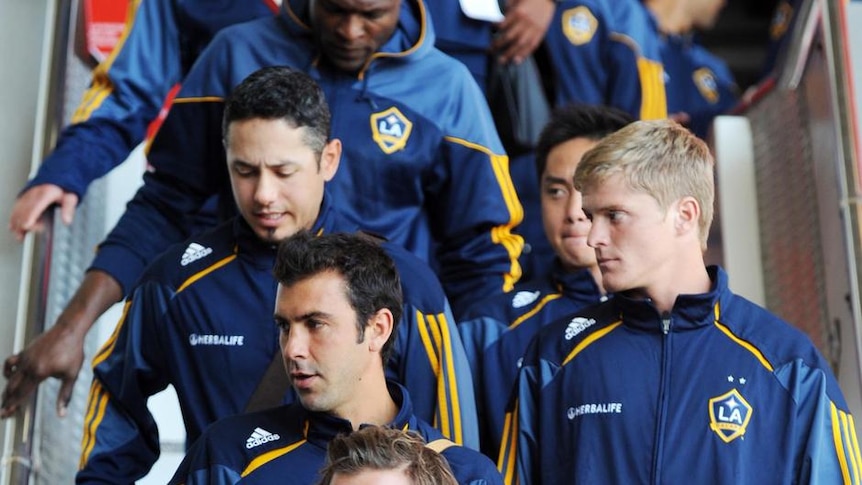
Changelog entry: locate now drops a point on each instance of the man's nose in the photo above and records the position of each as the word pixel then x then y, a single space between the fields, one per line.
pixel 350 28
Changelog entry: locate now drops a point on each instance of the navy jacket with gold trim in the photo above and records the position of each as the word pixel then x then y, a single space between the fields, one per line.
pixel 421 165
pixel 290 441
pixel 496 333
pixel 201 320
pixel 699 84
pixel 717 391
pixel 607 52
pixel 161 41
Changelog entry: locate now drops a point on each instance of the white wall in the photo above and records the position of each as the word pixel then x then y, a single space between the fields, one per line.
pixel 21 31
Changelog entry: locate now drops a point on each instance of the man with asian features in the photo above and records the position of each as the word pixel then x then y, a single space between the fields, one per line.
pixel 675 379
pixel 496 331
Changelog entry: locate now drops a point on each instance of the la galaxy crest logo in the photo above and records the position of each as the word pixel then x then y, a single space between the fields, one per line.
pixel 781 20
pixel 706 83
pixel 390 129
pixel 579 25
pixel 729 415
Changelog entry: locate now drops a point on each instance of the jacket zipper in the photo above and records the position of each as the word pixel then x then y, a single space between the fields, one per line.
pixel 664 379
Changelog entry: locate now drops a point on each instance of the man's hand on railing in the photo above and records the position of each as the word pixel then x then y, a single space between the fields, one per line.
pixel 59 352
pixel 27 212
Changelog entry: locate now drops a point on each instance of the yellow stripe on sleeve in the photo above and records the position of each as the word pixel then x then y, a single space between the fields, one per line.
pixel 544 301
pixel 848 441
pixel 653 96
pixel 452 381
pixel 109 345
pixel 98 404
pixel 751 348
pixel 440 445
pixel 426 341
pixel 509 446
pixel 590 339
pixel 199 99
pixel 442 401
pixel 200 274
pixel 502 234
pixel 102 86
pixel 839 443
pixel 92 399
pixel 269 456
pixel 857 457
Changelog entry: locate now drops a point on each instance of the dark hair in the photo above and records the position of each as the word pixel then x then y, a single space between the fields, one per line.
pixel 282 93
pixel 371 279
pixel 380 448
pixel 593 122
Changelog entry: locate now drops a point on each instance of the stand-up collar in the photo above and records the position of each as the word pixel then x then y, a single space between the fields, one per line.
pixel 578 285
pixel 250 248
pixel 323 427
pixel 262 253
pixel 689 311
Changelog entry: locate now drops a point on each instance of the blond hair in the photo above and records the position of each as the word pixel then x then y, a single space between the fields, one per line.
pixel 659 158
pixel 381 448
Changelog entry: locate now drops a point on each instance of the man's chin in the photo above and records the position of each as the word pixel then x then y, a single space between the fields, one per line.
pixel 345 64
pixel 273 236
pixel 309 402
pixel 348 67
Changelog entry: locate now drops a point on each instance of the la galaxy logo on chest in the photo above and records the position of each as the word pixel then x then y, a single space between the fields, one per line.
pixel 730 413
pixel 390 129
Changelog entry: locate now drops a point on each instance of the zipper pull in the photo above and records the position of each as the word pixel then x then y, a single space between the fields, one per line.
pixel 665 323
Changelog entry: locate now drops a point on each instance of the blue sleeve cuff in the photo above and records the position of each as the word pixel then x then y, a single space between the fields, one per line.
pixel 123 265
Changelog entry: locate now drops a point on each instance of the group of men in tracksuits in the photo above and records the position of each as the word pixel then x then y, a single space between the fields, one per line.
pixel 422 166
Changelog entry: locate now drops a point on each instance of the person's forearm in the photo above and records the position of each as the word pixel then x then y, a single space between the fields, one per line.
pixel 96 294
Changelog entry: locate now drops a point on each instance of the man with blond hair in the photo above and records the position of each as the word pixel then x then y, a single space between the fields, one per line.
pixel 376 454
pixel 496 331
pixel 675 379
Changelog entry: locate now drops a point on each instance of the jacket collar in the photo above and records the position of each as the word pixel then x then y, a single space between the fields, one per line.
pixel 262 254
pixel 250 248
pixel 689 311
pixel 413 37
pixel 579 286
pixel 329 219
pixel 322 427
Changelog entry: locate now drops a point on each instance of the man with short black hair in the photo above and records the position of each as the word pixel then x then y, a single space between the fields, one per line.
pixel 422 167
pixel 337 309
pixel 496 331
pixel 200 319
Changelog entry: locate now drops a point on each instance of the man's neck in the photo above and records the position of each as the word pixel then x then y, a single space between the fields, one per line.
pixel 690 279
pixel 597 277
pixel 373 405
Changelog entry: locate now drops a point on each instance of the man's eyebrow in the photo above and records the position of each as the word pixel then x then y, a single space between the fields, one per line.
pixel 278 164
pixel 550 179
pixel 302 318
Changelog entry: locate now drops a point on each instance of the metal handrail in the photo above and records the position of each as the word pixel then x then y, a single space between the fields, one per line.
pixel 21 461
pixel 835 26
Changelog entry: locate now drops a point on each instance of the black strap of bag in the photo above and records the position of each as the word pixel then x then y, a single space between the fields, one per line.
pixel 271 388
pixel 519 103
